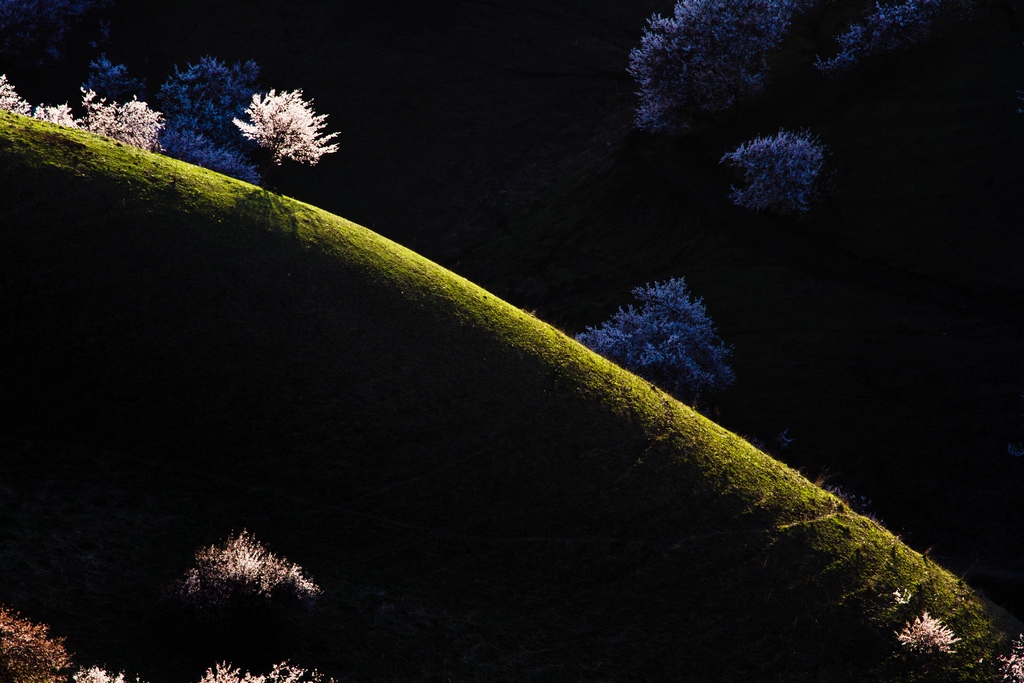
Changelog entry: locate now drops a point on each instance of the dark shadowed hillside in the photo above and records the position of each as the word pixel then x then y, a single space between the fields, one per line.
pixel 479 496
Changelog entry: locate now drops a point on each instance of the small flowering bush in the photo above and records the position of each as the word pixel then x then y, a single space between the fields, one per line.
pixel 670 340
pixel 27 653
pixel 781 172
pixel 279 673
pixel 704 58
pixel 1012 666
pixel 132 123
pixel 61 115
pixel 96 674
pixel 242 573
pixel 927 634
pixel 10 100
pixel 285 125
pixel 887 28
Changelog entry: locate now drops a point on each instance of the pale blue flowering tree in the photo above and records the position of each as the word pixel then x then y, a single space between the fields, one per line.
pixel 200 103
pixel 669 340
pixel 780 172
pixel 886 28
pixel 706 57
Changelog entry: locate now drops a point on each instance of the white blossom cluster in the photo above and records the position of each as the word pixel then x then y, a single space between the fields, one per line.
pixel 886 29
pixel 780 172
pixel 704 58
pixel 670 340
pixel 60 115
pixel 285 125
pixel 97 674
pixel 11 100
pixel 282 672
pixel 132 123
pixel 927 634
pixel 222 672
pixel 202 99
pixel 241 569
pixel 1013 665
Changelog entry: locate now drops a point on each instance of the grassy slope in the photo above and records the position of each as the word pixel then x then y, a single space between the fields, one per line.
pixel 882 329
pixel 480 497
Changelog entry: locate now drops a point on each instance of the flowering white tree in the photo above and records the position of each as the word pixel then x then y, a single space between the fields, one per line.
pixel 781 172
pixel 670 340
pixel 927 634
pixel 704 58
pixel 10 100
pixel 284 124
pixel 132 123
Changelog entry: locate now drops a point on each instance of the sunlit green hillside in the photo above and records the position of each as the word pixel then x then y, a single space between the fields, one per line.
pixel 480 497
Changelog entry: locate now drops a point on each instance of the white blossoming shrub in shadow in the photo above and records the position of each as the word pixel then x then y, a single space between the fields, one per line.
pixel 927 634
pixel 886 28
pixel 780 172
pixel 669 340
pixel 132 123
pixel 279 673
pixel 1012 666
pixel 242 572
pixel 10 100
pixel 239 601
pixel 704 58
pixel 96 674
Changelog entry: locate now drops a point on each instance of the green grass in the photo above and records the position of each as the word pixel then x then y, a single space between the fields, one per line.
pixel 480 497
